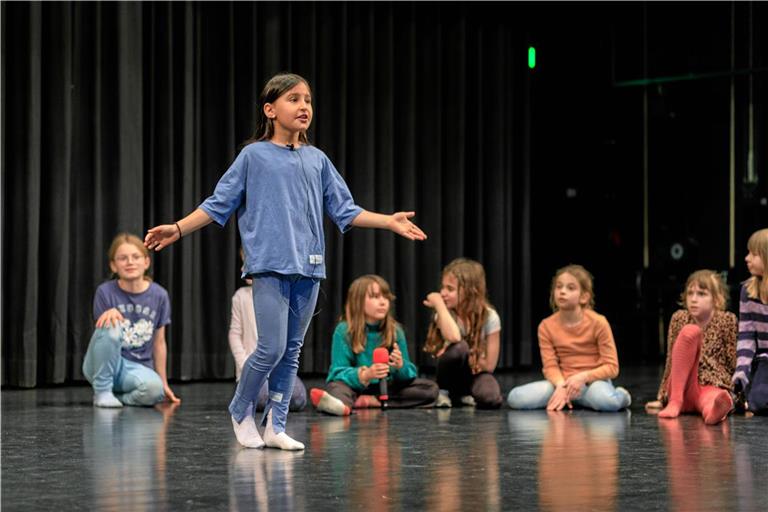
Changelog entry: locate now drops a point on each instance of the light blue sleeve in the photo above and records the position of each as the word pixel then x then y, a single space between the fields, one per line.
pixel 229 193
pixel 337 199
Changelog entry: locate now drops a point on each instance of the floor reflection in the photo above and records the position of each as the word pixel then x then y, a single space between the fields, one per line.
pixel 700 463
pixel 263 479
pixel 579 457
pixel 127 452
pixel 466 477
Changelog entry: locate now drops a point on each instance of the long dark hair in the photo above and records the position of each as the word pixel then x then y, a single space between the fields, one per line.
pixel 275 87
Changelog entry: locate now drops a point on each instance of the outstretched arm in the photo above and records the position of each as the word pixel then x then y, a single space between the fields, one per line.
pixel 397 222
pixel 162 236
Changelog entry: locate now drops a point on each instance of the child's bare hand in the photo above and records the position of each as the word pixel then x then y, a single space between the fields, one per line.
pixel 161 236
pixel 378 371
pixel 396 357
pixel 559 400
pixel 433 299
pixel 400 224
pixel 110 318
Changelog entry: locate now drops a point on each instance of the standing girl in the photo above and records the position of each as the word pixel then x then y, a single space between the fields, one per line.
pixel 280 185
pixel 464 337
pixel 701 354
pixel 578 353
pixel 126 357
pixel 353 378
pixel 751 376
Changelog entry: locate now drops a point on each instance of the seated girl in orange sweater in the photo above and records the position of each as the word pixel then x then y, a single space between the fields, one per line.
pixel 578 353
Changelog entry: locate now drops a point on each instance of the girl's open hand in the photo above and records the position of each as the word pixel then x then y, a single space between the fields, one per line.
pixel 161 236
pixel 559 400
pixel 110 318
pixel 400 224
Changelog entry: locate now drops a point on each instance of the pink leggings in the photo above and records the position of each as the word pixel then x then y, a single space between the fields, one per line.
pixel 684 390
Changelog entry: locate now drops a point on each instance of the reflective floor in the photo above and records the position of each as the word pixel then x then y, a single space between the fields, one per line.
pixel 58 452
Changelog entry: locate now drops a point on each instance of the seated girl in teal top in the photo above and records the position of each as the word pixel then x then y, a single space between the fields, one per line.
pixel 353 378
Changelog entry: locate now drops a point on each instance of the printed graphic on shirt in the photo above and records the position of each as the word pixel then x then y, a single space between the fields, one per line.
pixel 139 333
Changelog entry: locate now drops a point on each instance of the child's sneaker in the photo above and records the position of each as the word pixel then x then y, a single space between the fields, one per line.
pixel 443 399
pixel 468 400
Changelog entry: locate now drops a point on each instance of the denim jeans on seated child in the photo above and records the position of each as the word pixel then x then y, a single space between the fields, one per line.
pixel 107 370
pixel 600 395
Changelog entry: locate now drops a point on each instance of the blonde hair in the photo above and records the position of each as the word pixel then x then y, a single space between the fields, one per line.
pixel 472 306
pixel 757 286
pixel 127 238
pixel 712 282
pixel 582 276
pixel 354 312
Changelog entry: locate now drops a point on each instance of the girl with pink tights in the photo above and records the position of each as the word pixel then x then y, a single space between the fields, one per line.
pixel 701 355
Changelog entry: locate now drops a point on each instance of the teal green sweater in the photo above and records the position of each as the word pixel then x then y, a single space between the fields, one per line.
pixel 344 362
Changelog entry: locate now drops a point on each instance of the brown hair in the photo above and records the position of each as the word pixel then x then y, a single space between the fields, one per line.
pixel 127 238
pixel 712 282
pixel 757 286
pixel 471 309
pixel 582 276
pixel 274 88
pixel 354 312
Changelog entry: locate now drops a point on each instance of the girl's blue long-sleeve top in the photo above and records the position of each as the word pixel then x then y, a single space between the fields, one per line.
pixel 344 362
pixel 280 194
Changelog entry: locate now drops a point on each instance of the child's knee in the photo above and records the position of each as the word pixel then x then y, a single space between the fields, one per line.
pixel 518 399
pixel 691 333
pixel 150 392
pixel 758 398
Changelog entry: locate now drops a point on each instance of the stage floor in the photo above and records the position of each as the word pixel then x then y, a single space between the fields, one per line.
pixel 60 453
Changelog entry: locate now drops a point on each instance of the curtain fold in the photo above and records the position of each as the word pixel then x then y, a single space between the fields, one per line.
pixel 121 116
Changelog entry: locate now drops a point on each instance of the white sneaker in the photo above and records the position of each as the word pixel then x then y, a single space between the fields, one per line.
pixel 468 400
pixel 443 399
pixel 281 440
pixel 246 433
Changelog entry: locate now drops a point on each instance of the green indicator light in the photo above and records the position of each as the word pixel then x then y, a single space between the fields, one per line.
pixel 531 57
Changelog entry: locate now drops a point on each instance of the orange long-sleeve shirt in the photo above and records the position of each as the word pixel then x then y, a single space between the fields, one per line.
pixel 587 346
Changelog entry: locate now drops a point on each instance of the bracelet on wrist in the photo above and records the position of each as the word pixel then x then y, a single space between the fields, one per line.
pixel 179 228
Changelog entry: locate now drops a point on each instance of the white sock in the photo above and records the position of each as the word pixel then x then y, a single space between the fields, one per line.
pixel 246 433
pixel 325 402
pixel 281 440
pixel 106 399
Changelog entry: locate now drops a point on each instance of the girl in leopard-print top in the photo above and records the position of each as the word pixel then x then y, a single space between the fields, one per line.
pixel 701 355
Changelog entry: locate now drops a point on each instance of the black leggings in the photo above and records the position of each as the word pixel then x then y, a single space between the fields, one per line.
pixel 757 394
pixel 455 375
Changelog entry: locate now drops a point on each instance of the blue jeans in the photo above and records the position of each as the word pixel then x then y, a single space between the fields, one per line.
pixel 600 395
pixel 284 306
pixel 298 397
pixel 107 370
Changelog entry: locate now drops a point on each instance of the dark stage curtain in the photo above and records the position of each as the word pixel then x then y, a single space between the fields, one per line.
pixel 120 116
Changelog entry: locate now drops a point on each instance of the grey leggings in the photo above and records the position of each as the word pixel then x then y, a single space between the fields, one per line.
pixel 455 375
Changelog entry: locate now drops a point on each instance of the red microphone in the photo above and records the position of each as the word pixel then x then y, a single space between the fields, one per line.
pixel 381 355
